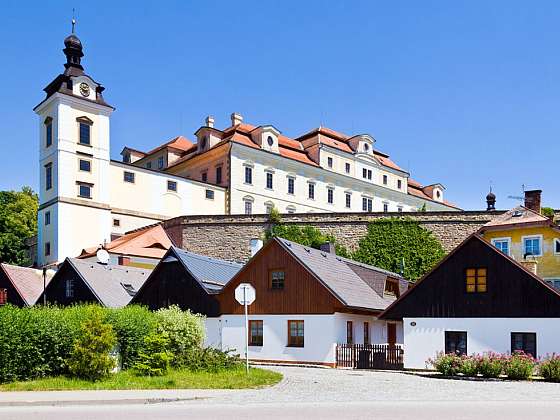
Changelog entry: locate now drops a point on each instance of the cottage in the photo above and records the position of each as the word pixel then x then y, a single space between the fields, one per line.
pixel 478 299
pixel 22 286
pixel 188 280
pixel 307 302
pixel 81 281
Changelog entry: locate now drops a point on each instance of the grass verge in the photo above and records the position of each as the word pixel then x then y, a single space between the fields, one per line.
pixel 176 379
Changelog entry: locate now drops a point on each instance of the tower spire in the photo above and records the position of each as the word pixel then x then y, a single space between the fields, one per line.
pixel 73 50
pixel 73 20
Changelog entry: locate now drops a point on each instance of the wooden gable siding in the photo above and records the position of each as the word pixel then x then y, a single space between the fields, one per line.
pixel 302 294
pixel 511 292
pixel 56 290
pixel 14 297
pixel 170 284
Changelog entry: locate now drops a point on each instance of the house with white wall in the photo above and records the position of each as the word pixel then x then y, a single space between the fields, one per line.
pixel 307 302
pixel 478 299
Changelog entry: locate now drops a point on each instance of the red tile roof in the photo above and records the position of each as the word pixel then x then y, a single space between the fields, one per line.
pixel 27 281
pixel 179 142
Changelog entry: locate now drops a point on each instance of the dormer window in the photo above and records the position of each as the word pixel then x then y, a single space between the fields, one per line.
pixel 270 140
pixel 392 287
pixel 203 142
pixel 366 147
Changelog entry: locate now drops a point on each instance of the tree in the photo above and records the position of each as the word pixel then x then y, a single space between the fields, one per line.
pixel 393 241
pixel 305 235
pixel 18 222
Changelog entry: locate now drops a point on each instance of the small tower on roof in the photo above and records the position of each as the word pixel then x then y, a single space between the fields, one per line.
pixel 491 201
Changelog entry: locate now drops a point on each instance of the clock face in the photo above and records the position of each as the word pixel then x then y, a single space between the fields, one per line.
pixel 84 89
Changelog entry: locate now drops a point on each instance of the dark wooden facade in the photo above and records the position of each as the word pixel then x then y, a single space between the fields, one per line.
pixel 171 284
pixel 56 290
pixel 302 293
pixel 13 296
pixel 512 291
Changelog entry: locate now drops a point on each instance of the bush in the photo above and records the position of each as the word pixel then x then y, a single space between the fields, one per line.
pixel 210 360
pixel 519 366
pixel 183 330
pixel 549 368
pixel 447 364
pixel 154 359
pixel 490 365
pixel 90 358
pixel 469 366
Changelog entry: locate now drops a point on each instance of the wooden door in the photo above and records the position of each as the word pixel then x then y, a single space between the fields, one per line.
pixel 392 334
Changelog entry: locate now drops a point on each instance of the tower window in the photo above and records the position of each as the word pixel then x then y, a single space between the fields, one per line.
pixel 47 249
pixel 85 133
pixel 48 131
pixel 84 190
pixel 47 218
pixel 48 176
pixel 85 165
pixel 128 177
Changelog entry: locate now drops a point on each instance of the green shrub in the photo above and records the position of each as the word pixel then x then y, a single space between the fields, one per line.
pixel 210 360
pixel 549 368
pixel 469 366
pixel 491 365
pixel 519 366
pixel 154 359
pixel 90 358
pixel 447 364
pixel 305 235
pixel 183 329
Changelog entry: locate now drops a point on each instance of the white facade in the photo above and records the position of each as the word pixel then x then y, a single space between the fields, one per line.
pixel 425 337
pixel 321 334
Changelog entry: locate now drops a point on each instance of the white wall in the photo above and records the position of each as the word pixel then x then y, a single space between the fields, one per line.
pixel 427 337
pixel 322 333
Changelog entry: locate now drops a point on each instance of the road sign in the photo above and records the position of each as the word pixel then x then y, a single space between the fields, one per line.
pixel 245 294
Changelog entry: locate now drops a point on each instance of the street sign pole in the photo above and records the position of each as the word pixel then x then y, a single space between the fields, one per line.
pixel 246 332
pixel 245 295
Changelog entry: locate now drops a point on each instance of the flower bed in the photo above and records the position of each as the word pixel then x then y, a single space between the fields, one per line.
pixel 516 366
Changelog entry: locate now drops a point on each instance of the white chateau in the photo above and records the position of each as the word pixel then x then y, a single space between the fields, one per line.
pixel 86 199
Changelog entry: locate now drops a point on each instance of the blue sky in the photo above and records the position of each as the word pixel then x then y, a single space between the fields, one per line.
pixel 462 92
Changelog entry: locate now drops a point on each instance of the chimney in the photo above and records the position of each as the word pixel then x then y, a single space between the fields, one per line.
pixel 236 118
pixel 530 265
pixel 210 121
pixel 328 247
pixel 533 200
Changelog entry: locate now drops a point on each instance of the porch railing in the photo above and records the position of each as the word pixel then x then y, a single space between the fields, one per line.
pixel 370 356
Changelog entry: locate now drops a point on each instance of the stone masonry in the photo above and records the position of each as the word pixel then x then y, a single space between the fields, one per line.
pixel 228 237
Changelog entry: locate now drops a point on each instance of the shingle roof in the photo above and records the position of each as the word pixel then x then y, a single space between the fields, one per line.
pixel 27 281
pixel 110 282
pixel 212 273
pixel 337 275
pixel 517 216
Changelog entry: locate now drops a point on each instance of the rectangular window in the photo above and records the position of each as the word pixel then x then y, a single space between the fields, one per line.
pixel 532 246
pixel 366 333
pixel 554 283
pixel 277 280
pixel 364 173
pixel 502 244
pixel 3 296
pixel 126 158
pixel 69 289
pixel 385 179
pixel 476 280
pixel 116 222
pixel 456 342
pixel 84 190
pixel 399 184
pixel 160 162
pixel 330 195
pixel 248 175
pixel 295 334
pixel 248 207
pixel 347 168
pixel 369 174
pixel 311 192
pixel 85 165
pixel 348 200
pixel 204 176
pixel 349 332
pixel 48 133
pixel 47 249
pixel 268 208
pixel 291 185
pixel 557 246
pixel 48 176
pixel 330 162
pixel 209 194
pixel 47 218
pixel 269 180
pixel 85 133
pixel 385 207
pixel 525 342
pixel 171 186
pixel 399 209
pixel 149 165
pixel 128 177
pixel 367 204
pixel 219 175
pixel 255 333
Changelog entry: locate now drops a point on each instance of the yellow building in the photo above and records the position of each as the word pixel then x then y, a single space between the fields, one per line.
pixel 527 236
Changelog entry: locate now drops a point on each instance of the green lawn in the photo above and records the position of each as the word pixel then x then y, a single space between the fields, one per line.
pixel 176 379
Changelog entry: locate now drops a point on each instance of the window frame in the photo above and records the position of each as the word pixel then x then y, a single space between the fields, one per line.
pixel 84 126
pixel 269 182
pixel 47 250
pixel 48 132
pixel 367 204
pixel 297 341
pixel 477 285
pixel 503 239
pixel 48 176
pixel 330 162
pixel 385 179
pixel 291 185
pixel 47 218
pixel 555 243
pixel 367 338
pixel 86 161
pixel 161 162
pixel 248 205
pixel 525 335
pixel 349 332
pixel 260 328
pixel 330 195
pixel 272 280
pixel 69 289
pixel 311 191
pixel 348 200
pixel 385 207
pixel 347 167
pixel 248 175
pixel 129 177
pixel 204 176
pixel 3 296
pixel 116 222
pixel 532 237
pixel 399 184
pixel 85 185
pixel 209 194
pixel 171 182
pixel 219 174
pixel 447 340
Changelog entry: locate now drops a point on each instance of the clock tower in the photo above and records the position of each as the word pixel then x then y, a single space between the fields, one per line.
pixel 73 161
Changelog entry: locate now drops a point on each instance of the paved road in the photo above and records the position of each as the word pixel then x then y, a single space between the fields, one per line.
pixel 307 393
